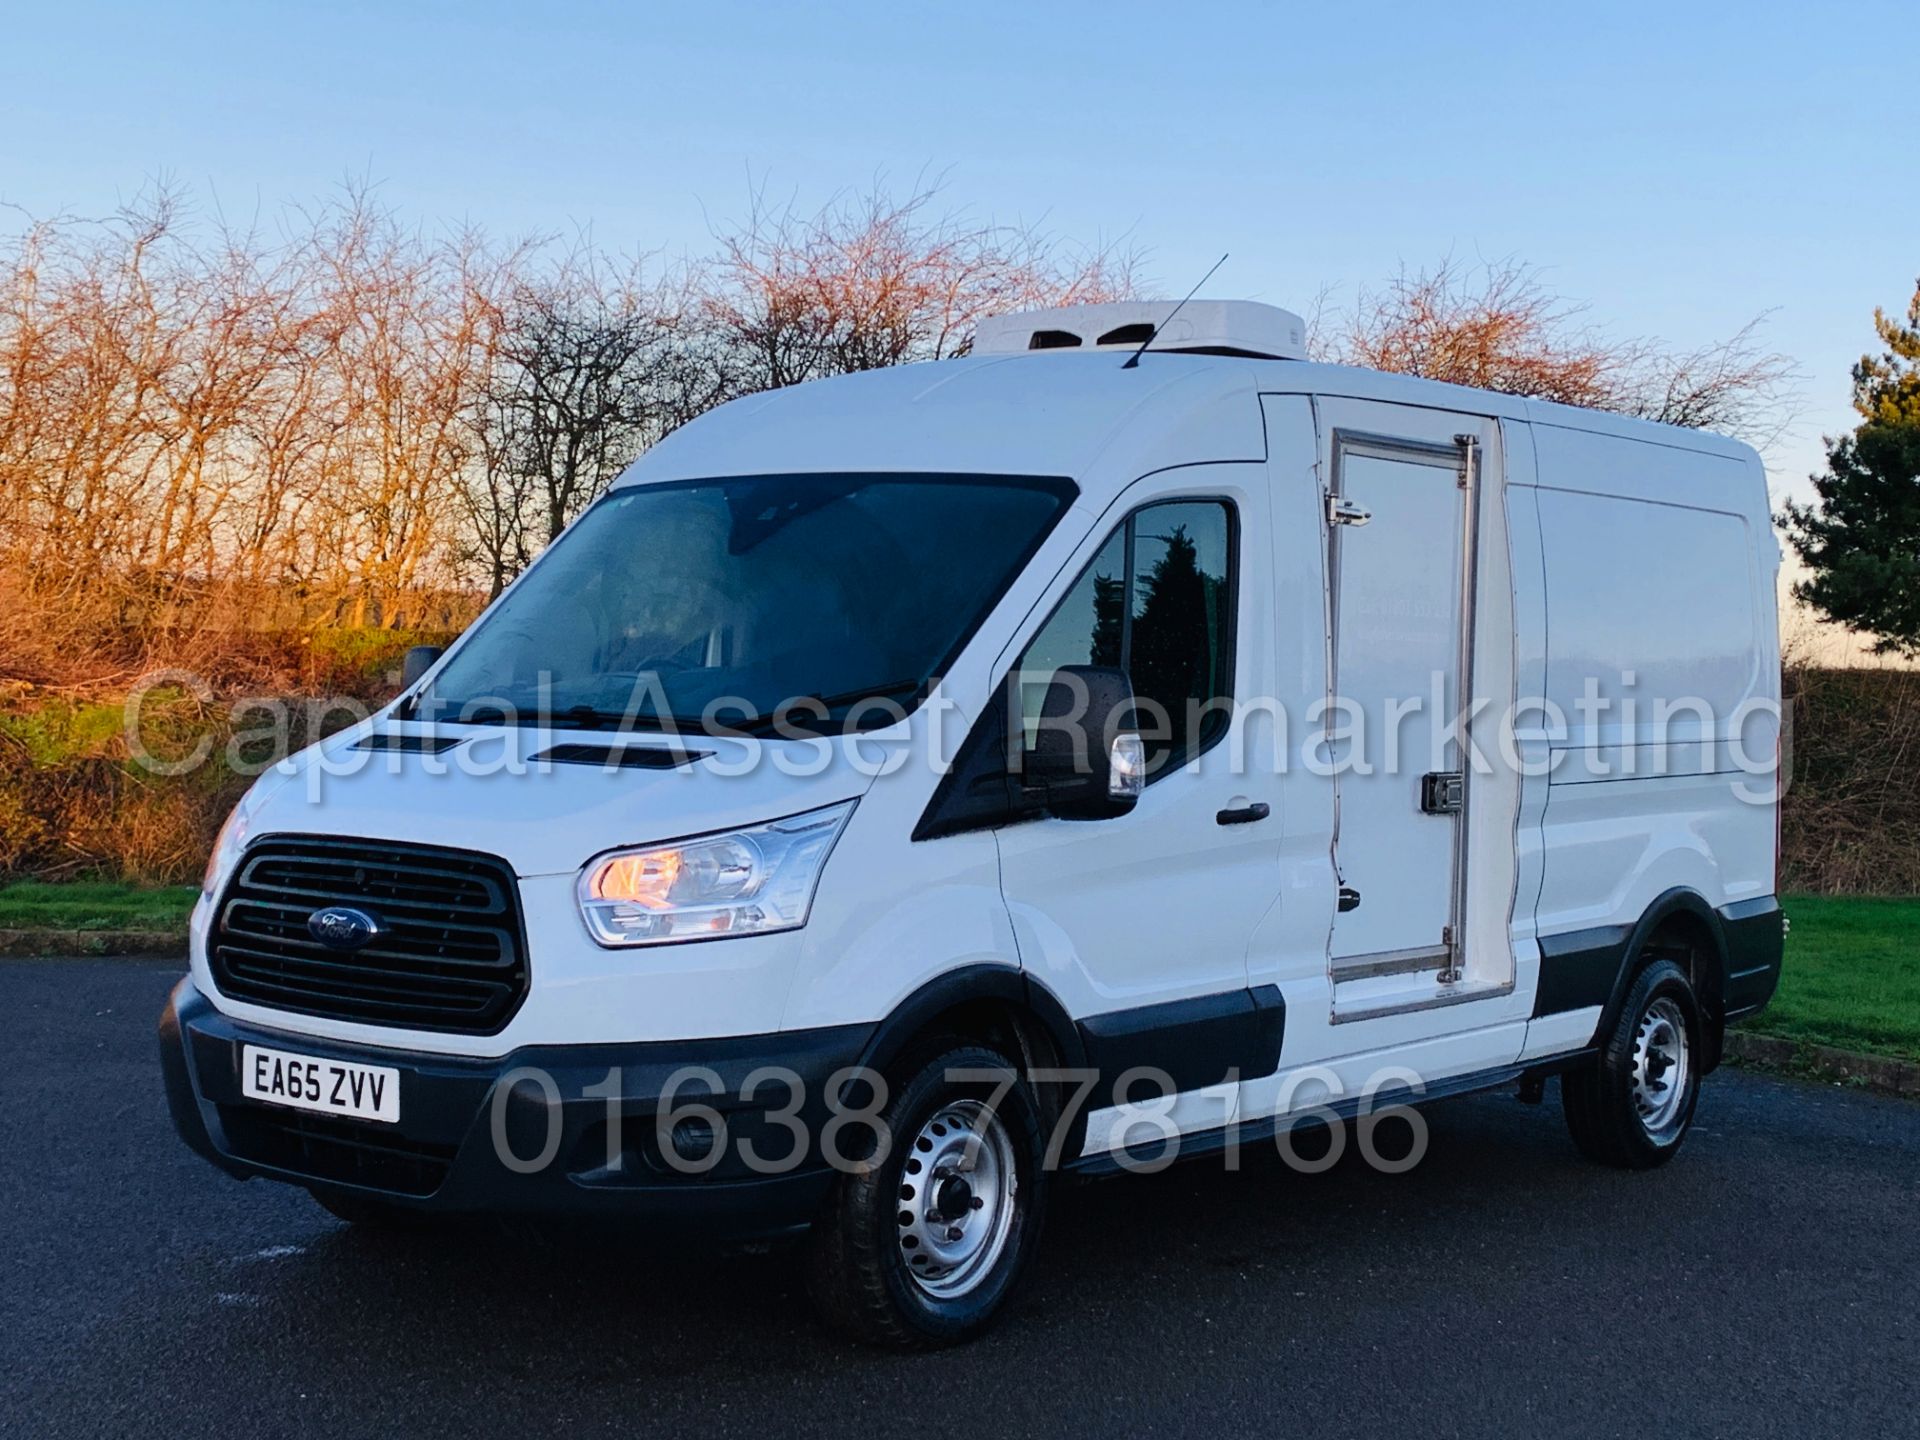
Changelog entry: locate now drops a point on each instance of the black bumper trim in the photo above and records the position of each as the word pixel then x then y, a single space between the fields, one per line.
pixel 1196 1042
pixel 1584 968
pixel 447 1119
pixel 1578 968
pixel 1756 939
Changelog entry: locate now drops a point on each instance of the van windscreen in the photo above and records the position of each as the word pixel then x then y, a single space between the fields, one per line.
pixel 730 602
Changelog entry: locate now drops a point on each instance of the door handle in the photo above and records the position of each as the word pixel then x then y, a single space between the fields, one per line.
pixel 1246 814
pixel 1342 511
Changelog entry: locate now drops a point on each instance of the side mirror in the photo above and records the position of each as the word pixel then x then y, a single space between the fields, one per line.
pixel 419 660
pixel 1086 761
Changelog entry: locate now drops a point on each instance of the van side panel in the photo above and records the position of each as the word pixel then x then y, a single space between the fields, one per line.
pixel 1653 602
pixel 1529 737
pixel 1290 946
pixel 1661 677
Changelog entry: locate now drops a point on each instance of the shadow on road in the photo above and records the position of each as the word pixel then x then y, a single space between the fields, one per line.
pixel 1502 1286
pixel 590 1291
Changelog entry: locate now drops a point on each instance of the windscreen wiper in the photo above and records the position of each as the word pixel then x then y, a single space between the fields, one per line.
pixel 578 717
pixel 799 712
pixel 762 723
pixel 591 717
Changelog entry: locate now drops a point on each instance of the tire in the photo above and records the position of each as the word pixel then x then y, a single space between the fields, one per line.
pixel 1633 1106
pixel 365 1212
pixel 898 1261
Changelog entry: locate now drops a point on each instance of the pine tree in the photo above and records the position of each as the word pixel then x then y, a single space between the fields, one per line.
pixel 1109 611
pixel 1861 540
pixel 1886 388
pixel 1166 664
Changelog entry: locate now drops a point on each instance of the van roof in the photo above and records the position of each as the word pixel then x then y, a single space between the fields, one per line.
pixel 1077 414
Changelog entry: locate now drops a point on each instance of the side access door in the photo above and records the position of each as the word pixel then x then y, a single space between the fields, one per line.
pixel 1423 827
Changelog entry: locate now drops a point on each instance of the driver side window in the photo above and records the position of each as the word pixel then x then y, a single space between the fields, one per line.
pixel 1157 602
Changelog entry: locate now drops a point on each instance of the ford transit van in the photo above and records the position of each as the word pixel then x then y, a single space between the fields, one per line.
pixel 905 793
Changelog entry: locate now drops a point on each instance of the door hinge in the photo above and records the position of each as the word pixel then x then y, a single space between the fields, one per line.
pixel 1450 973
pixel 1342 511
pixel 1442 791
pixel 1469 449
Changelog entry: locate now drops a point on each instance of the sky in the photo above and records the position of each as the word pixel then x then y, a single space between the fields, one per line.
pixel 1678 167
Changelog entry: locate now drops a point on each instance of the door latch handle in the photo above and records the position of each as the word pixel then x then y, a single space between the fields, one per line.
pixel 1342 511
pixel 1349 899
pixel 1246 814
pixel 1442 792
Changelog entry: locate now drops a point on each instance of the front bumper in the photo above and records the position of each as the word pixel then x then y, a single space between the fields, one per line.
pixel 462 1145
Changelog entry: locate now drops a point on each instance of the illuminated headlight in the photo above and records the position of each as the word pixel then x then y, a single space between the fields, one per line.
pixel 743 882
pixel 227 846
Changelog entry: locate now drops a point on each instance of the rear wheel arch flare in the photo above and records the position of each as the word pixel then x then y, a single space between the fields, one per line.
pixel 1678 916
pixel 1685 929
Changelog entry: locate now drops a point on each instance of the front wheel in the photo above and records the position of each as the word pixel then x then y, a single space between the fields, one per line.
pixel 925 1246
pixel 1633 1106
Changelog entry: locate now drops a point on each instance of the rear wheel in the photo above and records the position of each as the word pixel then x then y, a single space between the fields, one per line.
pixel 926 1247
pixel 1633 1106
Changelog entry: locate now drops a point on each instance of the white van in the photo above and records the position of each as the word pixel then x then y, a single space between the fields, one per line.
pixel 904 791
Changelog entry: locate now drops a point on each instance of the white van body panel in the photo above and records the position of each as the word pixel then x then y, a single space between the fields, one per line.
pixel 561 813
pixel 1530 752
pixel 1289 948
pixel 1659 566
pixel 989 415
pixel 937 909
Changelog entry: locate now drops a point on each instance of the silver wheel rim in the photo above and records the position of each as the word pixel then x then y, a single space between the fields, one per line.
pixel 1661 1068
pixel 958 1189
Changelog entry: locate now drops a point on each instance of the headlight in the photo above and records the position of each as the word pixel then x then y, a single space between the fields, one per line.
pixel 743 882
pixel 227 846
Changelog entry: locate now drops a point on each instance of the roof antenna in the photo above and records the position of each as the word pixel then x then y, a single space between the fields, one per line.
pixel 1134 359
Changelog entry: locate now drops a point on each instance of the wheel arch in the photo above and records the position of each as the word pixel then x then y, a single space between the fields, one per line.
pixel 1678 919
pixel 998 1004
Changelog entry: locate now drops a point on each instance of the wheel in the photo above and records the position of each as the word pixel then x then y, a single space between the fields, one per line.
pixel 1634 1105
pixel 925 1247
pixel 365 1211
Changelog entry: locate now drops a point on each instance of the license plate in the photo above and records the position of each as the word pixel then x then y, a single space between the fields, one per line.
pixel 331 1087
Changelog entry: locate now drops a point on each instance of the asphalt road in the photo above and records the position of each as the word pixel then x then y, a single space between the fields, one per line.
pixel 1763 1284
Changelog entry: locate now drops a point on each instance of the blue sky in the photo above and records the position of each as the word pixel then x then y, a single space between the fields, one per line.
pixel 1680 167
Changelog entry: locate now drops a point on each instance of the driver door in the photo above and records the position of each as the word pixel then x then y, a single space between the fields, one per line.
pixel 1141 923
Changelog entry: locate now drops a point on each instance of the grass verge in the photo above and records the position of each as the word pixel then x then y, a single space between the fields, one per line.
pixel 1852 976
pixel 95 905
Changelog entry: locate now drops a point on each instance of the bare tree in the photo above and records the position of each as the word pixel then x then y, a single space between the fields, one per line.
pixel 212 435
pixel 1735 386
pixel 1498 327
pixel 133 359
pixel 870 281
pixel 588 370
pixel 413 323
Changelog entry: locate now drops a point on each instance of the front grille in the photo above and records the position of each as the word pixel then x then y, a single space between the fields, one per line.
pixel 451 954
pixel 323 1148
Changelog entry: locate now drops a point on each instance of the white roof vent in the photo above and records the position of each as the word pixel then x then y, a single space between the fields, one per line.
pixel 1212 327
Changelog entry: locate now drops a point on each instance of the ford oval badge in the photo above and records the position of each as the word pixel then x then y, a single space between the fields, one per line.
pixel 342 927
